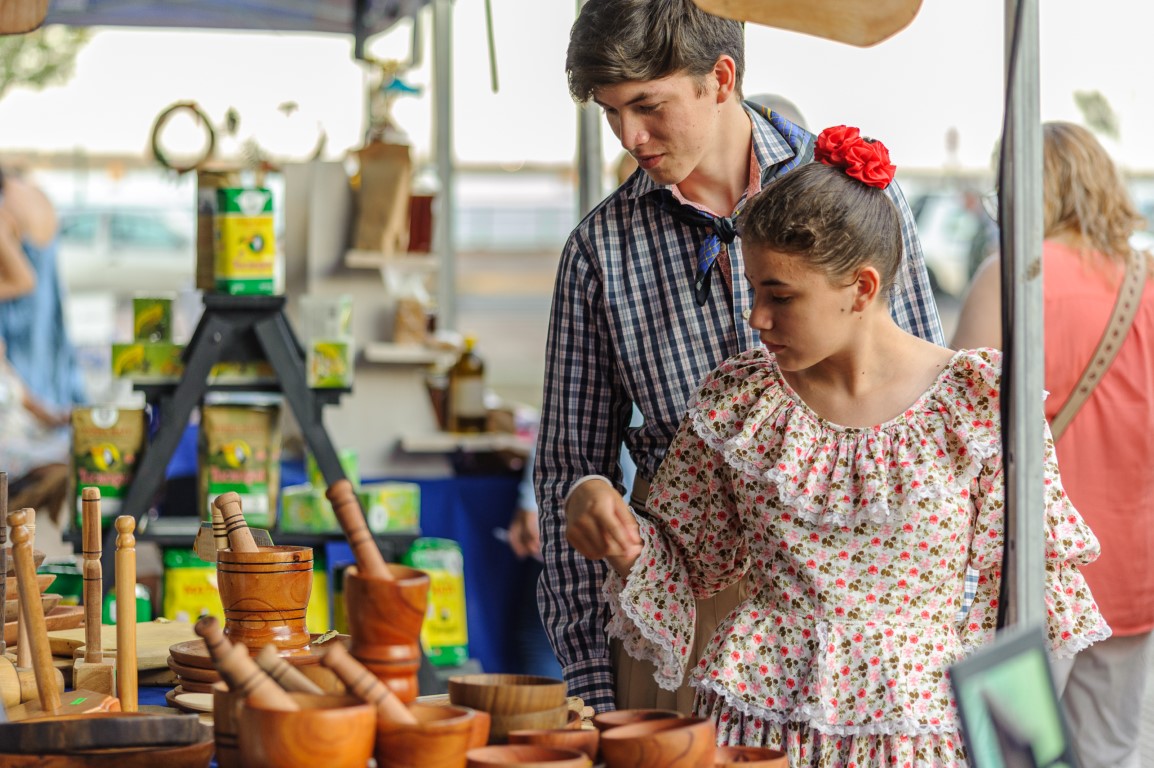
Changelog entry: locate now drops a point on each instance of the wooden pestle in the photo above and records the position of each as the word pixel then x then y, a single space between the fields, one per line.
pixel 365 685
pixel 219 535
pixel 349 514
pixel 32 611
pixel 239 671
pixel 23 647
pixel 239 536
pixel 93 574
pixel 286 675
pixel 126 670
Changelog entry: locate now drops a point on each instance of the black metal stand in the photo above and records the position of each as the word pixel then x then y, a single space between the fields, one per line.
pixel 233 329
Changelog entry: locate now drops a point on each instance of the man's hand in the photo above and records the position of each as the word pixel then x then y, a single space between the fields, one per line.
pixel 525 534
pixel 599 525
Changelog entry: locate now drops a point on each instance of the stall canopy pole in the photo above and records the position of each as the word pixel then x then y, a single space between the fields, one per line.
pixel 443 120
pixel 589 163
pixel 1023 417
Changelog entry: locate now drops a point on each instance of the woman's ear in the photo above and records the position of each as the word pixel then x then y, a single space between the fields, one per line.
pixel 867 287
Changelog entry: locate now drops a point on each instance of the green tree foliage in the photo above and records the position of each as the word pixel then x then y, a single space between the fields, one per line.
pixel 40 58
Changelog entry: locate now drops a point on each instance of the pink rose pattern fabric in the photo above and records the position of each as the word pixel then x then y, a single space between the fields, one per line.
pixel 855 542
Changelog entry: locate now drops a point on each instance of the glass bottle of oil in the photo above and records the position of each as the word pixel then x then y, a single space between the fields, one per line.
pixel 467 411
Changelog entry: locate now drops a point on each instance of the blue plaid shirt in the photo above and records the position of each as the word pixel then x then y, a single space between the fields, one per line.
pixel 625 328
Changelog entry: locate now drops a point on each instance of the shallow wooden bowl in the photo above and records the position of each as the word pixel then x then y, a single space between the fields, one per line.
pixel 12 605
pixel 585 740
pixel 37 560
pixel 674 742
pixel 43 582
pixel 507 694
pixel 607 720
pixel 440 739
pixel 329 731
pixel 526 756
pixel 545 719
pixel 750 757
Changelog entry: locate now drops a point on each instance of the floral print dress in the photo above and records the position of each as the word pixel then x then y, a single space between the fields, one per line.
pixel 855 542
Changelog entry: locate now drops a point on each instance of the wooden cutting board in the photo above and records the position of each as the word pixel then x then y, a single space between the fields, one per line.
pixel 153 639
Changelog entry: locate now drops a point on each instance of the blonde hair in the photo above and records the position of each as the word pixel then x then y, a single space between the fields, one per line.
pixel 1084 193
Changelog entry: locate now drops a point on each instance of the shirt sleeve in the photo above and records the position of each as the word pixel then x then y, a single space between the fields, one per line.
pixel 693 546
pixel 912 303
pixel 585 411
pixel 1073 620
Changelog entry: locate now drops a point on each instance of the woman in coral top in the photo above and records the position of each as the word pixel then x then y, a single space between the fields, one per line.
pixel 850 472
pixel 1107 453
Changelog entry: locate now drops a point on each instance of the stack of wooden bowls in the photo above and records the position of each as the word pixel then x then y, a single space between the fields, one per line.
pixel 670 742
pixel 514 702
pixel 12 603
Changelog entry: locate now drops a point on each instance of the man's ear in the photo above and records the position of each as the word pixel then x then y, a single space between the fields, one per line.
pixel 725 71
pixel 867 288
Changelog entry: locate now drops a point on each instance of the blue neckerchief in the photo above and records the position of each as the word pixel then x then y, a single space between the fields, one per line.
pixel 725 227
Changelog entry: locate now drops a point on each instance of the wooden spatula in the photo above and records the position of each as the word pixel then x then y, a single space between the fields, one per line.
pixel 857 22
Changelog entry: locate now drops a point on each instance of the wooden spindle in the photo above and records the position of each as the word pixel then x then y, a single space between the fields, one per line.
pixel 239 536
pixel 32 612
pixel 4 550
pixel 126 613
pixel 23 647
pixel 364 685
pixel 239 671
pixel 93 574
pixel 286 675
pixel 351 517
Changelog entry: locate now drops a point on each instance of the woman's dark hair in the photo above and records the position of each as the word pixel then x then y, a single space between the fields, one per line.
pixel 835 222
pixel 617 41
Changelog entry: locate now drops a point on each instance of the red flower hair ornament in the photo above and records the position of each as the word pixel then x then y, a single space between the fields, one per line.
pixel 866 160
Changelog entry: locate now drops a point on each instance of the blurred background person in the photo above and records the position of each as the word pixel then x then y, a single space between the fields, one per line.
pixel 1107 453
pixel 32 324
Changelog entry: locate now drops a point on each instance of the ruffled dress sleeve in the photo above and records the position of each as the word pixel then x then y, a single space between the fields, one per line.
pixel 693 546
pixel 1073 620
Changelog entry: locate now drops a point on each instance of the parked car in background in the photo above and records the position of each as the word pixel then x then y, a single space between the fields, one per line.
pixel 956 234
pixel 124 251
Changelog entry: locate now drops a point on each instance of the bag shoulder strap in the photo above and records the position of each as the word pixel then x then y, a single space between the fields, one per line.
pixel 1125 308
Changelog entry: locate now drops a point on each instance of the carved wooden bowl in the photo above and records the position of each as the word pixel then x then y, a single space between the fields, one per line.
pixel 527 756
pixel 585 740
pixel 606 720
pixel 329 731
pixel 440 739
pixel 674 742
pixel 507 694
pixel 545 719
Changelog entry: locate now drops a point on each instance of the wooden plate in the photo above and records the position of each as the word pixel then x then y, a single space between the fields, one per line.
pixel 198 674
pixel 48 601
pixel 192 686
pixel 194 702
pixel 37 560
pixel 182 704
pixel 61 617
pixel 194 653
pixel 43 582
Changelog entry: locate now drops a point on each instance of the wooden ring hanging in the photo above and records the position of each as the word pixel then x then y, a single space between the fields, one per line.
pixel 162 120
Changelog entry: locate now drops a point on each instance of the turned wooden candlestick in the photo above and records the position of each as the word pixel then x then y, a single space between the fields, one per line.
pixel 32 611
pixel 239 671
pixel 286 675
pixel 239 536
pixel 352 520
pixel 126 673
pixel 364 685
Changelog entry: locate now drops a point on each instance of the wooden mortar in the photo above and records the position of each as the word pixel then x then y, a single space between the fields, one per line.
pixel 326 730
pixel 238 670
pixel 385 618
pixel 265 595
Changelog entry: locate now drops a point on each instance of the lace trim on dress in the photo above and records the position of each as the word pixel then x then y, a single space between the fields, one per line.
pixel 769 435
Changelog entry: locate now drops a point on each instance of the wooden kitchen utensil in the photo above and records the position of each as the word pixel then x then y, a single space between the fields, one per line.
pixel 364 685
pixel 93 671
pixel 675 742
pixel 385 618
pixel 287 676
pixel 239 537
pixel 265 594
pixel 439 737
pixel 329 731
pixel 351 517
pixel 126 612
pixel 23 649
pixel 239 671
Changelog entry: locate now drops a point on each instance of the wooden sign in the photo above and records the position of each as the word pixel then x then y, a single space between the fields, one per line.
pixel 20 16
pixel 857 22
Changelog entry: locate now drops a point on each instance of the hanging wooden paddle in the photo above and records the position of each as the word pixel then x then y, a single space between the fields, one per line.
pixel 857 22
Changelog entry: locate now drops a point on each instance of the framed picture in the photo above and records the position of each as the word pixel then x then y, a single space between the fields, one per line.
pixel 1008 705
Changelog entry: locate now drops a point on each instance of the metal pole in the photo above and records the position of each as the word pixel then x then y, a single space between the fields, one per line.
pixel 589 164
pixel 443 122
pixel 1023 417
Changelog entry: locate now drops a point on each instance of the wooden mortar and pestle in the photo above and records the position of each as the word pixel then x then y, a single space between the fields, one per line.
pixel 265 591
pixel 385 603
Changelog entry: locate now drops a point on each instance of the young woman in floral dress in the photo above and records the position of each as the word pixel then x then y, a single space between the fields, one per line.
pixel 851 471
